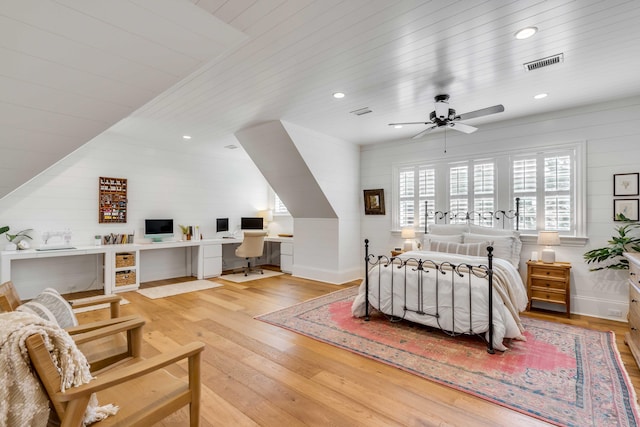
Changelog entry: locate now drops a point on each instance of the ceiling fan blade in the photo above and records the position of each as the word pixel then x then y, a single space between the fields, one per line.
pixel 482 112
pixel 462 127
pixel 409 123
pixel 424 132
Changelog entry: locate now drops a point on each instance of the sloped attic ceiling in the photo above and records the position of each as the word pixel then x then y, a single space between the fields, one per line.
pixel 71 69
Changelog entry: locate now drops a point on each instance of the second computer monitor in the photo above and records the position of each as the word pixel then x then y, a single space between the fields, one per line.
pixel 251 223
pixel 222 224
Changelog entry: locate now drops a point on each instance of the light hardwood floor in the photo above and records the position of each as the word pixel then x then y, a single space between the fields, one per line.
pixel 254 373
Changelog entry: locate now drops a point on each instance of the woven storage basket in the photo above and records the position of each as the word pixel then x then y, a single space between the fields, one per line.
pixel 125 260
pixel 124 278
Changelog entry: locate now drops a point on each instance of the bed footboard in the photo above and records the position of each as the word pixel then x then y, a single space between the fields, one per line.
pixel 445 275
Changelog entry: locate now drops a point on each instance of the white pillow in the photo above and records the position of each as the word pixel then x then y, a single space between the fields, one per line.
pixel 477 229
pixel 51 306
pixel 505 247
pixel 448 228
pixel 471 249
pixel 456 238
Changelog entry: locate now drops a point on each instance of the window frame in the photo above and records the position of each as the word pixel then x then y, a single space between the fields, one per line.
pixel 503 190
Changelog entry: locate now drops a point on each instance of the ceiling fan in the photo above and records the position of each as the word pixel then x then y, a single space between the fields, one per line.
pixel 445 116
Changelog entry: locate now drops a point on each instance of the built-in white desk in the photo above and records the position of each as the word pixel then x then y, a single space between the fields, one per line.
pixel 203 261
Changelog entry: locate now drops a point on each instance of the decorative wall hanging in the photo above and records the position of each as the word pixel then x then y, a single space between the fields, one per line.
pixel 626 207
pixel 112 200
pixel 625 184
pixel 374 202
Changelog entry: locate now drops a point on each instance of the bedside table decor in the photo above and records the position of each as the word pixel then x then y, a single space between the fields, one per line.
pixel 548 239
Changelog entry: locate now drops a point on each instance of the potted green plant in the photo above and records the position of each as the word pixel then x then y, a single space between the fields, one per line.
pixel 186 231
pixel 624 241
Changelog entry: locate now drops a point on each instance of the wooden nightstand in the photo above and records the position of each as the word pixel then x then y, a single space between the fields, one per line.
pixel 549 283
pixel 396 253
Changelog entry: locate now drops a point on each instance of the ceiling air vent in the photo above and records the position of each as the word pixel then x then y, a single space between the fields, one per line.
pixel 544 62
pixel 361 111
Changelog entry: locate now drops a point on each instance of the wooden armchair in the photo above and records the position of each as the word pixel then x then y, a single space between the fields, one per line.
pixel 103 342
pixel 10 300
pixel 144 392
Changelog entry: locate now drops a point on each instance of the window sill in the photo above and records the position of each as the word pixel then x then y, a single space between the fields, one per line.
pixel 532 239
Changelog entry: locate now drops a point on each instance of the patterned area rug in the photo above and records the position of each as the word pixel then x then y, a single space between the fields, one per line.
pixel 562 374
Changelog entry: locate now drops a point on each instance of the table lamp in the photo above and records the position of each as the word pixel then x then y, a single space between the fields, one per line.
pixel 548 239
pixel 408 234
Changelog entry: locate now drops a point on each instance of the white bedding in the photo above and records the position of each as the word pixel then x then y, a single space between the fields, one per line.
pixel 509 296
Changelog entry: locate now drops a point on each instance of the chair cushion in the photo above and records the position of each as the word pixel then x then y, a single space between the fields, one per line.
pixel 51 306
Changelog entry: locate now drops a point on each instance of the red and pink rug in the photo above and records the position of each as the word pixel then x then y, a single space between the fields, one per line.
pixel 562 374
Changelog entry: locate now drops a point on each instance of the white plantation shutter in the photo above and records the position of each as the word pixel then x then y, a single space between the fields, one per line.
pixel 416 185
pixel 278 207
pixel 548 181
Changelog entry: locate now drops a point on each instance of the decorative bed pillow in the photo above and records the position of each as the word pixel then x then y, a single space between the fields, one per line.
pixel 455 238
pixel 505 247
pixel 448 228
pixel 471 249
pixel 51 306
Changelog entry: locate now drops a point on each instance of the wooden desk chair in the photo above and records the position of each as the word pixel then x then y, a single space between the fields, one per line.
pixel 144 392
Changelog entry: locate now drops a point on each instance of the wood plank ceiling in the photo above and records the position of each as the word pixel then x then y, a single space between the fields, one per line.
pixel 158 69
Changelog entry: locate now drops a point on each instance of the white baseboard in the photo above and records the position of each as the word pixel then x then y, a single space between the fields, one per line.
pixel 328 276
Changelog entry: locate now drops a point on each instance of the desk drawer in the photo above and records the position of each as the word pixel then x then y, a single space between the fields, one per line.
pixel 286 248
pixel 211 251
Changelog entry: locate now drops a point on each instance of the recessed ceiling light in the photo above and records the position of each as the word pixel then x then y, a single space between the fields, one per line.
pixel 398 126
pixel 525 33
pixel 186 137
pixel 338 95
pixel 540 96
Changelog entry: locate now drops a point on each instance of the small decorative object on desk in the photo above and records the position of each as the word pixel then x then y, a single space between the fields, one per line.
pixel 15 240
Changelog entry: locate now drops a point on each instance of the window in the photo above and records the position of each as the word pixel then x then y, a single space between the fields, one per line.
pixel 416 186
pixel 278 207
pixel 548 181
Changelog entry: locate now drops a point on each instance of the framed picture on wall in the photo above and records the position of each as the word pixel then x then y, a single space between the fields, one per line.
pixel 374 202
pixel 625 184
pixel 626 207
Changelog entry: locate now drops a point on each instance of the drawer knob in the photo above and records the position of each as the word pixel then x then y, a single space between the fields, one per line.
pixel 634 300
pixel 548 272
pixel 632 274
pixel 634 329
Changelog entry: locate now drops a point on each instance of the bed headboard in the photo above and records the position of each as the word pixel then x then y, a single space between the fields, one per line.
pixel 473 217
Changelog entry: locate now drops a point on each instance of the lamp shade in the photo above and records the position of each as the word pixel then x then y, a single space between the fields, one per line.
pixel 266 214
pixel 548 238
pixel 408 233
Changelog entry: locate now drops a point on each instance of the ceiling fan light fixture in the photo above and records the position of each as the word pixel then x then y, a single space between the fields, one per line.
pixel 525 33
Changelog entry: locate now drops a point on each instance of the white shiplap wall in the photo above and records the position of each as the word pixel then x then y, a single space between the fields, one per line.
pixel 190 182
pixel 611 132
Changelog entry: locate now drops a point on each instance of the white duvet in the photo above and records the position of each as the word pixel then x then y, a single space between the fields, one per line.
pixel 509 296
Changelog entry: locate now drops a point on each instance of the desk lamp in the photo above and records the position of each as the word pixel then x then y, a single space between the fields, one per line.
pixel 548 239
pixel 267 217
pixel 408 234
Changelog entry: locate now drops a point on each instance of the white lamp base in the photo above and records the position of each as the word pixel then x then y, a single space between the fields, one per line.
pixel 408 245
pixel 548 256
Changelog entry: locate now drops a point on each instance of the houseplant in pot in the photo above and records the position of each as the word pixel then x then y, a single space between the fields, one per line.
pixel 625 240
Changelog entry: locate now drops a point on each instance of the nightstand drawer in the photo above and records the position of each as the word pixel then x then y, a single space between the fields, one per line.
pixel 634 273
pixel 542 284
pixel 542 271
pixel 634 303
pixel 550 296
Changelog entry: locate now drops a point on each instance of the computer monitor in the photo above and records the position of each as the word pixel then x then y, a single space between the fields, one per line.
pixel 251 223
pixel 222 224
pixel 158 229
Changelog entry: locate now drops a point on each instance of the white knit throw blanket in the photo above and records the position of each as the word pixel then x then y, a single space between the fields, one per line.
pixel 23 400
